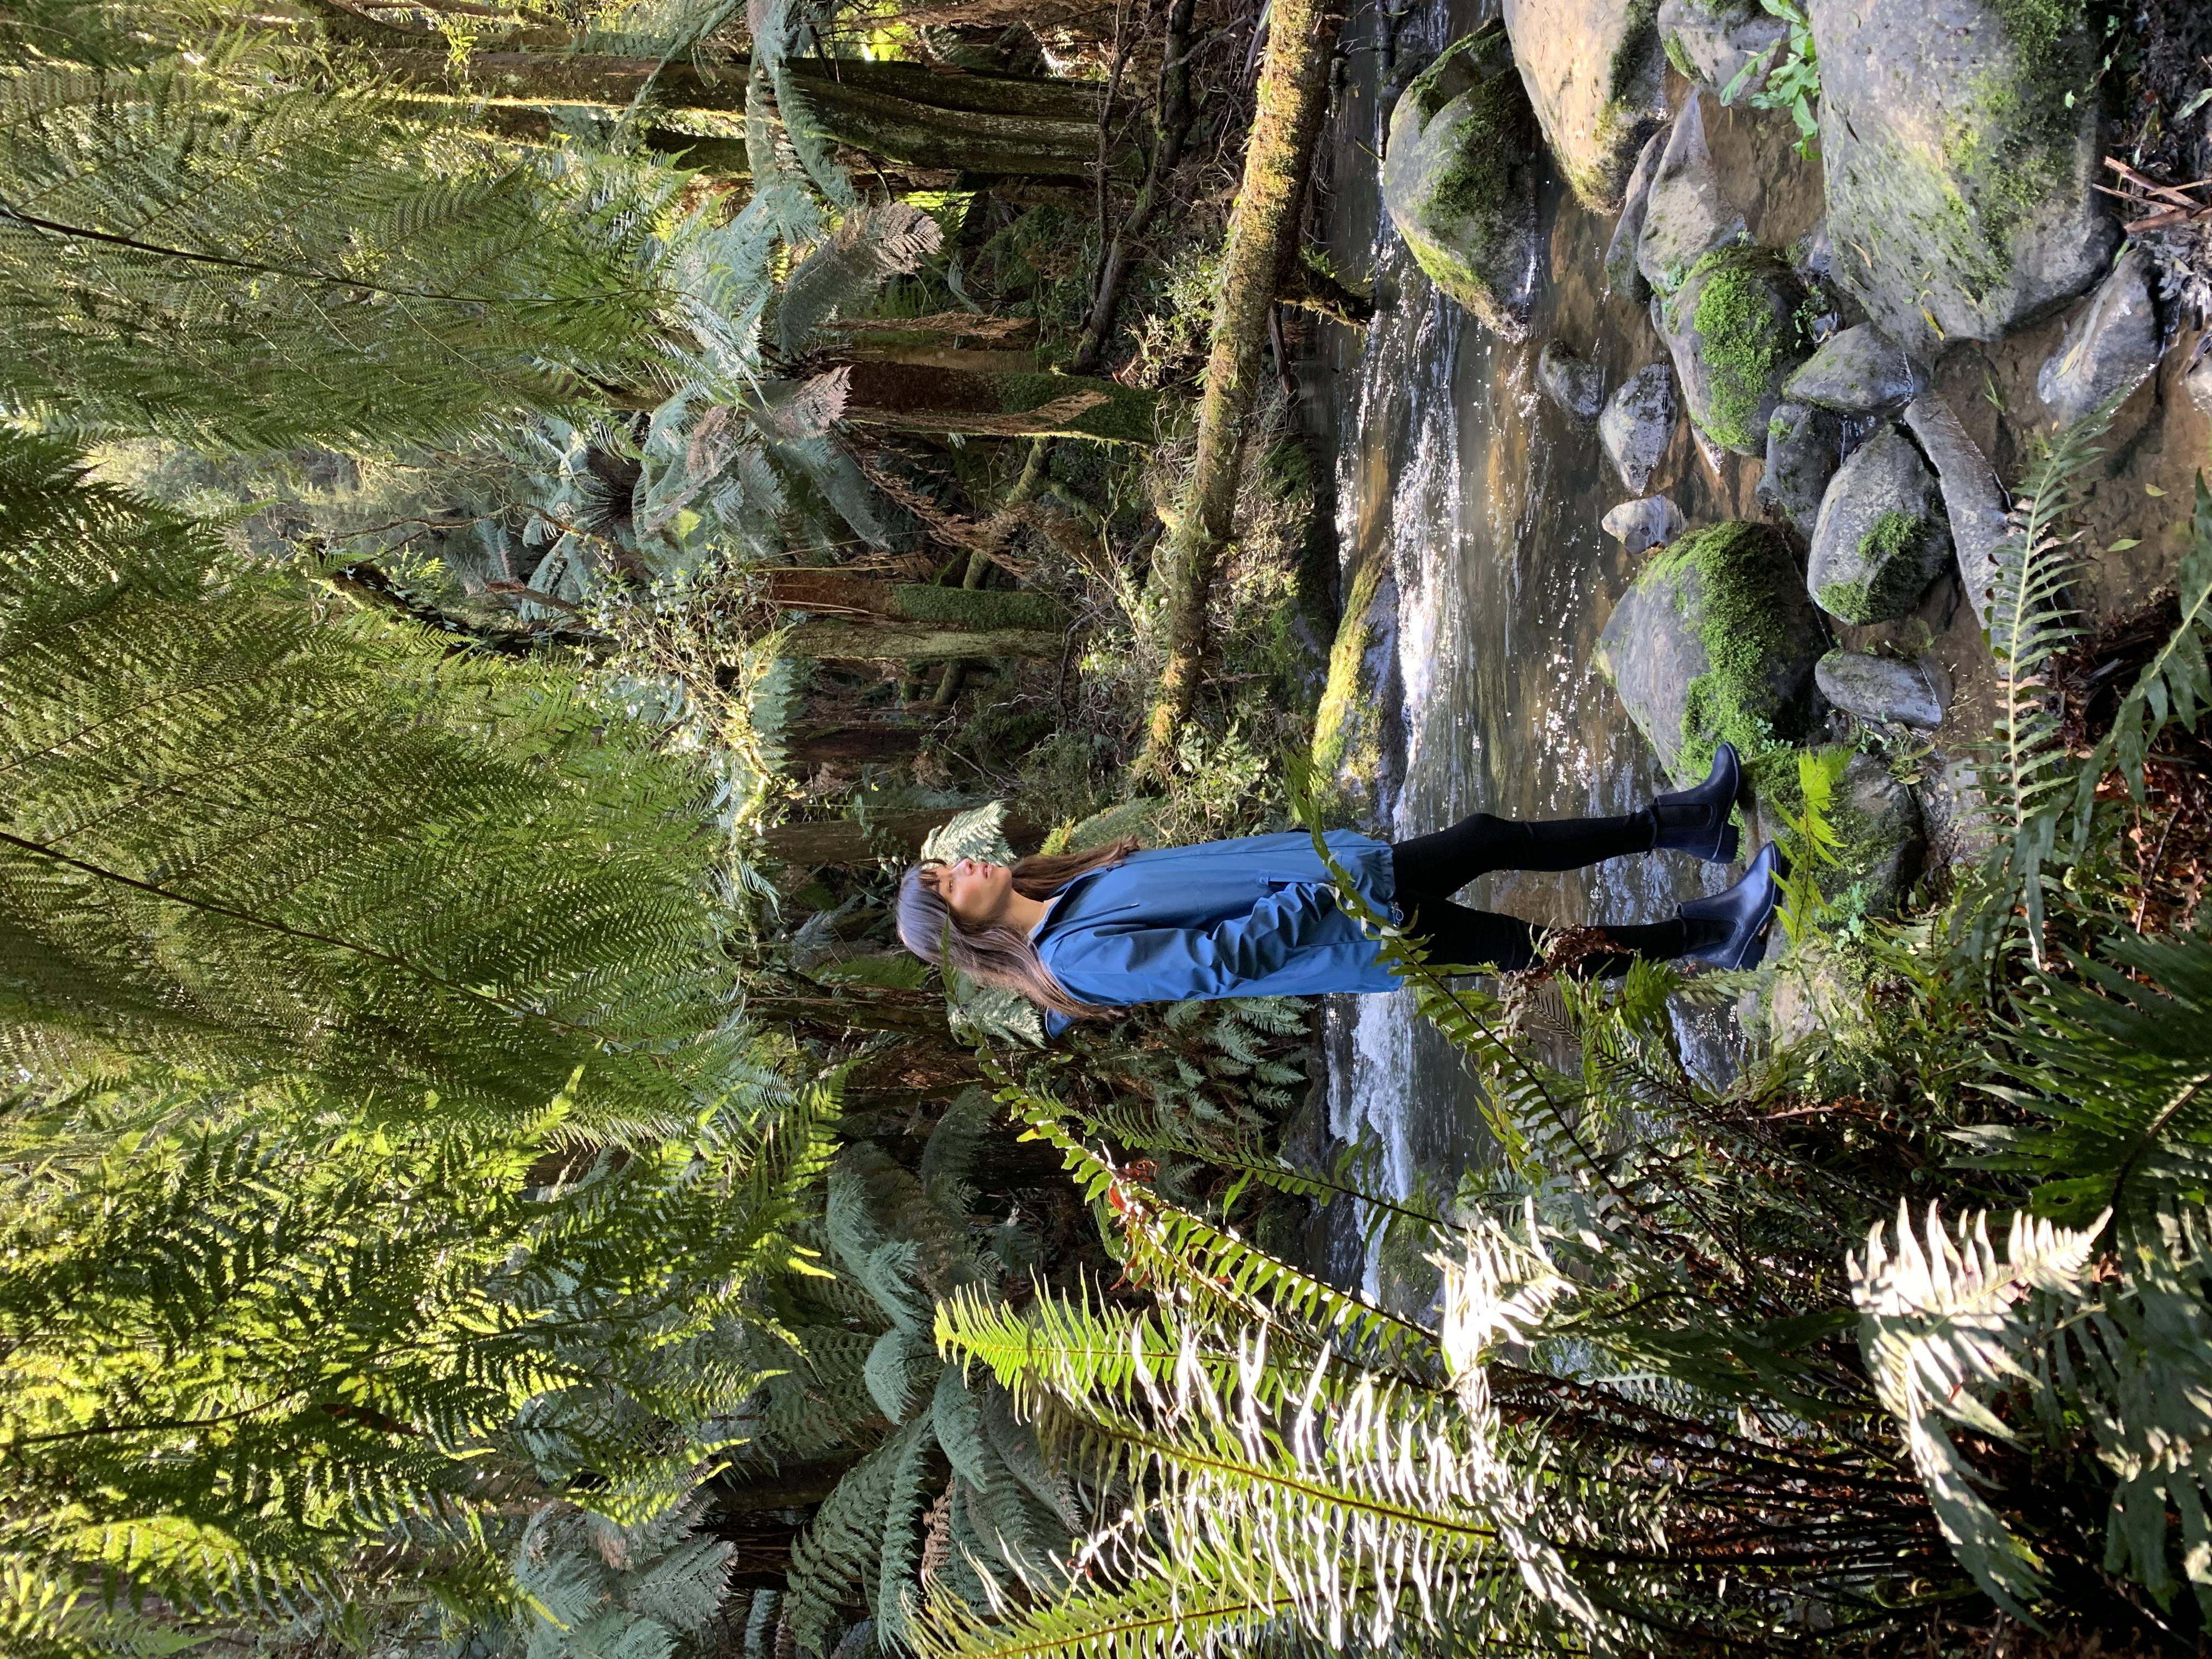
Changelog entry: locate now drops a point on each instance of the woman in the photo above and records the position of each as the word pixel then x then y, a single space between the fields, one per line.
pixel 1085 935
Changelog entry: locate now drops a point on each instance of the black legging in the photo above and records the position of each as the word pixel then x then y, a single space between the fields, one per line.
pixel 1430 867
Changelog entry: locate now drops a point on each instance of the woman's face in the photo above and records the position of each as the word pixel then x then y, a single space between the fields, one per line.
pixel 976 892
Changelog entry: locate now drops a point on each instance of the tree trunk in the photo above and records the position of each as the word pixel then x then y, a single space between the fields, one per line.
pixel 519 120
pixel 980 402
pixel 835 592
pixel 1172 120
pixel 855 741
pixel 826 842
pixel 844 1011
pixel 914 641
pixel 1263 242
pixel 908 113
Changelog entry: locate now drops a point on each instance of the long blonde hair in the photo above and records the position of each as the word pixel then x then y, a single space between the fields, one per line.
pixel 1000 955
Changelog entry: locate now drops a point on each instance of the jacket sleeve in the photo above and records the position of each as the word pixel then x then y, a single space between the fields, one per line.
pixel 1131 964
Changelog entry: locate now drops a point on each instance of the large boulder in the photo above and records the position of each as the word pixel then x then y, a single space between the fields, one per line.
pixel 1716 40
pixel 1804 448
pixel 1973 500
pixel 1460 182
pixel 1882 534
pixel 1958 176
pixel 1857 372
pixel 1686 215
pixel 1571 382
pixel 1737 329
pixel 1596 79
pixel 2109 350
pixel 1638 423
pixel 1715 641
pixel 1883 688
pixel 1621 275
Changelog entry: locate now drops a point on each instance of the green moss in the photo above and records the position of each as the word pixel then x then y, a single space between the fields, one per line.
pixel 1746 347
pixel 1628 62
pixel 1748 594
pixel 2042 30
pixel 1347 752
pixel 1844 599
pixel 1895 536
pixel 977 608
pixel 1891 548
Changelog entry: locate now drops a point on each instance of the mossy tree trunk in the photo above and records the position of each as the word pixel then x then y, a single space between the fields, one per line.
pixel 908 113
pixel 973 394
pixel 1263 243
pixel 912 621
pixel 838 594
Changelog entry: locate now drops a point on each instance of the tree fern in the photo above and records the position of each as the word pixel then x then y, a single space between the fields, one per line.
pixel 169 236
pixel 360 1336
pixel 248 832
pixel 959 1477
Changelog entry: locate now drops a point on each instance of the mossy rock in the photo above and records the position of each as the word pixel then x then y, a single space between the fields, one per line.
pixel 1715 641
pixel 1882 536
pixel 1596 80
pixel 1460 182
pixel 1958 177
pixel 1738 327
pixel 1358 745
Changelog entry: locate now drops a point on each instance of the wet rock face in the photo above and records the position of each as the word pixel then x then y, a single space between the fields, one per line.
pixel 2198 381
pixel 2109 350
pixel 1882 689
pixel 1958 181
pixel 1459 182
pixel 1622 274
pixel 1596 78
pixel 1973 500
pixel 1857 372
pixel 1737 333
pixel 1638 424
pixel 1644 524
pixel 1804 448
pixel 1713 41
pixel 1715 641
pixel 1684 215
pixel 1571 382
pixel 1882 534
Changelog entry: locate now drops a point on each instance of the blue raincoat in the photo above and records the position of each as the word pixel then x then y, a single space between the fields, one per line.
pixel 1254 917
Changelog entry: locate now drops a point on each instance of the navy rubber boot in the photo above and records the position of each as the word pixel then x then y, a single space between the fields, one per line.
pixel 1740 916
pixel 1696 821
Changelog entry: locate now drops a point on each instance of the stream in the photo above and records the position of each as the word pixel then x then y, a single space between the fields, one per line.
pixel 1489 499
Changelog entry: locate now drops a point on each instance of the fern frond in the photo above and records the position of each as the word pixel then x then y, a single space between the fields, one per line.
pixel 1172 1246
pixel 837 1561
pixel 2024 772
pixel 1944 1323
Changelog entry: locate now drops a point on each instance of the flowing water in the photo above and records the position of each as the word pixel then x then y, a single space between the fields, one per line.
pixel 1489 499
